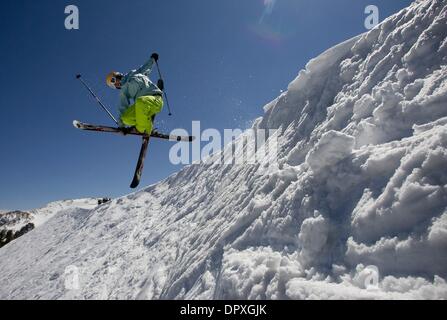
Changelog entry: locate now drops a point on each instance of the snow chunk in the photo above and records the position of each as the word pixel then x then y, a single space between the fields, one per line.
pixel 254 273
pixel 312 238
pixel 330 149
pixel 438 231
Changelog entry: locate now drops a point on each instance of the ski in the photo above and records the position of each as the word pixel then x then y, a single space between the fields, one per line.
pixel 140 164
pixel 157 135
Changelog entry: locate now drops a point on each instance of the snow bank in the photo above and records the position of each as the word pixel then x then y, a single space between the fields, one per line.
pixel 356 210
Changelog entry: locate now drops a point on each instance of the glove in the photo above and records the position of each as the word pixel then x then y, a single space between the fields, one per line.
pixel 155 56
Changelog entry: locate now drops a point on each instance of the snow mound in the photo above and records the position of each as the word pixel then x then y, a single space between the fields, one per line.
pixel 356 210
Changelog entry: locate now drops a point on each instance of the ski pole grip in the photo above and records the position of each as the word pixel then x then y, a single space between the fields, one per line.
pixel 78 76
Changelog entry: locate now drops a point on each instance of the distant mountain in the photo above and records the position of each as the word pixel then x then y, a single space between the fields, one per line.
pixel 14 224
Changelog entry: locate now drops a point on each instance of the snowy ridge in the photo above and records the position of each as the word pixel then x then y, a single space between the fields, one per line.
pixel 42 215
pixel 15 220
pixel 361 181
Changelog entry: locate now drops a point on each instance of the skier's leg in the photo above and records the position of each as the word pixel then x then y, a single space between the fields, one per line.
pixel 146 108
pixel 143 124
pixel 128 117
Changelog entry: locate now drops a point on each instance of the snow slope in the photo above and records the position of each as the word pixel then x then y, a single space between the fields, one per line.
pixel 360 195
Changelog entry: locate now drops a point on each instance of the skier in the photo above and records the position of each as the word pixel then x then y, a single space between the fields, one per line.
pixel 140 99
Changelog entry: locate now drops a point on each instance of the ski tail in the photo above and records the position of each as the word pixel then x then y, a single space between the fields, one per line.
pixel 140 164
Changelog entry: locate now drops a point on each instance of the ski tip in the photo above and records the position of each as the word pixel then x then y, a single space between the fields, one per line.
pixel 134 185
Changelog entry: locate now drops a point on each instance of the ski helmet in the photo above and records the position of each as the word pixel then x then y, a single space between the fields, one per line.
pixel 112 78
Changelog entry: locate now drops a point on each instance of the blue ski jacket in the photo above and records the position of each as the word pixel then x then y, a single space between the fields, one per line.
pixel 137 84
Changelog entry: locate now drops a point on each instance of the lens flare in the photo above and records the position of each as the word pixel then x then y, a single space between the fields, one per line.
pixel 271 26
pixel 269 6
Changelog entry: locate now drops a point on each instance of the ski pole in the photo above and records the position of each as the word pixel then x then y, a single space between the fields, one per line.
pixel 164 91
pixel 97 99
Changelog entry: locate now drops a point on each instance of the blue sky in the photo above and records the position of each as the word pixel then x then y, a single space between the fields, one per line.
pixel 222 62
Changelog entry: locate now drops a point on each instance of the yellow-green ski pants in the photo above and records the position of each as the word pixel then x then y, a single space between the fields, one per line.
pixel 141 112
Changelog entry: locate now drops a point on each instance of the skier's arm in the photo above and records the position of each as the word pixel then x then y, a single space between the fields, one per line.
pixel 146 68
pixel 124 104
pixel 124 100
